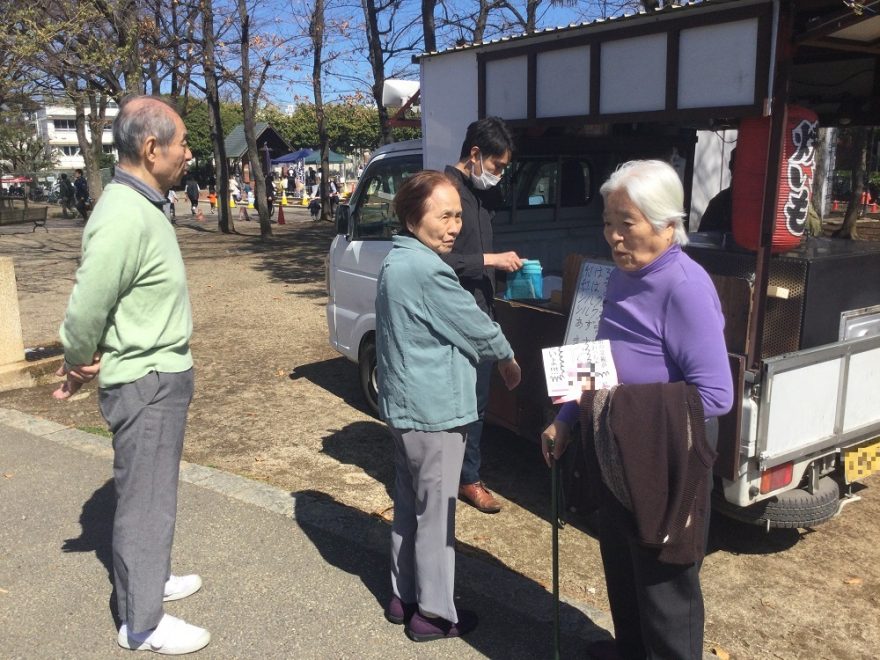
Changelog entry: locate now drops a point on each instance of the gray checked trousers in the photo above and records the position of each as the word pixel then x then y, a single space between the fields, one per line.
pixel 427 467
pixel 147 418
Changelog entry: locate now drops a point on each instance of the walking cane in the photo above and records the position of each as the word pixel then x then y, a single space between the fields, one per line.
pixel 557 525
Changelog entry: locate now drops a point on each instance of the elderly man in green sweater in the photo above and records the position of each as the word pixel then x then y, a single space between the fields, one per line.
pixel 129 322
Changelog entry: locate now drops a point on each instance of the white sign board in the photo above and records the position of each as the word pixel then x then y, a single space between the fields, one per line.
pixel 586 306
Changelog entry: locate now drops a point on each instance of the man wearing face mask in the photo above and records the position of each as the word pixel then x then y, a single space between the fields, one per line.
pixel 485 152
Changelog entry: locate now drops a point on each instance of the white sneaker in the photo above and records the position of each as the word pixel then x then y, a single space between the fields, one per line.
pixel 172 636
pixel 181 586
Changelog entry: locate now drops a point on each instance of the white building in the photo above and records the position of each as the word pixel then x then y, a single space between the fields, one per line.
pixel 56 124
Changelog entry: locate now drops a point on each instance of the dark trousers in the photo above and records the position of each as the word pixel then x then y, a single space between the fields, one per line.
pixel 470 469
pixel 657 608
pixel 147 418
pixel 82 207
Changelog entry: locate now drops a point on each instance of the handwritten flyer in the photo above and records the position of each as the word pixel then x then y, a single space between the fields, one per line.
pixel 589 296
pixel 574 368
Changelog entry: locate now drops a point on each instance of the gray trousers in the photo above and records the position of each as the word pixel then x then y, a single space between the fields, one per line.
pixel 427 467
pixel 147 418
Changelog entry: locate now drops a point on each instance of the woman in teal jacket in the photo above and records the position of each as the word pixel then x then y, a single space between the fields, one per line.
pixel 430 336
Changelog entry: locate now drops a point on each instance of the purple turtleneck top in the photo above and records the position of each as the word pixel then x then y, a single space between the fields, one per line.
pixel 665 325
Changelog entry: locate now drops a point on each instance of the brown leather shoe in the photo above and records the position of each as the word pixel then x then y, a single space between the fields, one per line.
pixel 479 497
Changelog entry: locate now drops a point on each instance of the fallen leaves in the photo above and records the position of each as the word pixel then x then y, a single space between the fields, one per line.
pixel 386 514
pixel 852 580
pixel 719 652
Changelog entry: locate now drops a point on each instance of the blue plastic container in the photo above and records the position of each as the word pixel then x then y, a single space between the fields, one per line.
pixel 526 283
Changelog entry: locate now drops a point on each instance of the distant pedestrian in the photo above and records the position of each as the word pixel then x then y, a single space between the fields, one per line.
pixel 67 195
pixel 333 194
pixel 170 211
pixel 129 322
pixel 315 208
pixel 192 194
pixel 81 191
pixel 234 190
pixel 212 200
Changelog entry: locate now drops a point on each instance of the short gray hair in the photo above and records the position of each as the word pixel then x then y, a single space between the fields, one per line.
pixel 654 187
pixel 137 120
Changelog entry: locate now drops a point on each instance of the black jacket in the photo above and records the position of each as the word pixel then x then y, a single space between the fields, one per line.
pixel 474 240
pixel 82 188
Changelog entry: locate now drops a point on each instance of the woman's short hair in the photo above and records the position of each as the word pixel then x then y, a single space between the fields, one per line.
pixel 410 202
pixel 137 121
pixel 654 187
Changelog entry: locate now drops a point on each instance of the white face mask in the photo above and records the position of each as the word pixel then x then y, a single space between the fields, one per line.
pixel 486 180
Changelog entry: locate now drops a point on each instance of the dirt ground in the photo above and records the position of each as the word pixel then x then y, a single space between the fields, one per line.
pixel 274 402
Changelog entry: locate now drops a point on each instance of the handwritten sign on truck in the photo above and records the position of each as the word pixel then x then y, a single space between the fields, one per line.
pixel 586 306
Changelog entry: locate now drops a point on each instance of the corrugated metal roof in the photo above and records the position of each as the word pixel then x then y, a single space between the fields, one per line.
pixel 666 9
pixel 236 146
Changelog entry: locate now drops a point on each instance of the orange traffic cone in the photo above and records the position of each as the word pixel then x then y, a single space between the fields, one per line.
pixel 280 216
pixel 835 205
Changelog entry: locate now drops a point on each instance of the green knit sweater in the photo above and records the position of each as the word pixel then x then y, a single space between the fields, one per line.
pixel 130 301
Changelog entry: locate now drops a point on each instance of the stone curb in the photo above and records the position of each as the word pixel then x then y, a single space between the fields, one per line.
pixel 489 580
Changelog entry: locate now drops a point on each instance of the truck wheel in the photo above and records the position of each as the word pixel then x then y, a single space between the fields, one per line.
pixel 793 508
pixel 367 366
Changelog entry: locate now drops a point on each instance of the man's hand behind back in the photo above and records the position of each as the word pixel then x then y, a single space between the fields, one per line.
pixel 76 377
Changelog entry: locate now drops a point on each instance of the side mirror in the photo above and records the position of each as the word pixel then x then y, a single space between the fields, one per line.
pixel 342 218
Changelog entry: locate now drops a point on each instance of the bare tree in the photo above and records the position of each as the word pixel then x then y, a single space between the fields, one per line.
pixel 390 34
pixel 316 33
pixel 250 80
pixel 212 95
pixel 87 51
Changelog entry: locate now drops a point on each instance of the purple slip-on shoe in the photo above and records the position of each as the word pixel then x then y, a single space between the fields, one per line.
pixel 399 612
pixel 423 629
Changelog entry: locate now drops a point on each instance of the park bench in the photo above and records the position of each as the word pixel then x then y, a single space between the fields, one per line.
pixel 35 214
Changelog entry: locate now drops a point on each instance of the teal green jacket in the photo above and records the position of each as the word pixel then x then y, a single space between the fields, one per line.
pixel 430 336
pixel 130 301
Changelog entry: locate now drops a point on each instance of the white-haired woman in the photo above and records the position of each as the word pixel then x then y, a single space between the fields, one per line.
pixel 662 316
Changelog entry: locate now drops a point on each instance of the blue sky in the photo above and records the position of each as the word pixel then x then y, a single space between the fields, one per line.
pixel 348 72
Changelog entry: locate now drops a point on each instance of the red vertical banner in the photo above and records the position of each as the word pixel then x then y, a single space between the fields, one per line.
pixel 795 179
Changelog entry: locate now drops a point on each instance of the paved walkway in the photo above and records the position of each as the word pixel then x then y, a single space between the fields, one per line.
pixel 287 575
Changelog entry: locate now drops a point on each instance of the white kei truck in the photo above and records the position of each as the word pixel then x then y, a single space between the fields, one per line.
pixel 802 319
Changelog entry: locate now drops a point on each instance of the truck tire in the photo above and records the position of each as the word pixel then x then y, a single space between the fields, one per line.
pixel 367 367
pixel 793 508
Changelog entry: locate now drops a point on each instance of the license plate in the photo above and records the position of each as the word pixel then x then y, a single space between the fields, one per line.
pixel 862 461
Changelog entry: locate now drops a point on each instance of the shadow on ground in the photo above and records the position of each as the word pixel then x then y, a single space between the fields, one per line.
pixel 339 376
pixel 295 256
pixel 516 613
pixel 96 521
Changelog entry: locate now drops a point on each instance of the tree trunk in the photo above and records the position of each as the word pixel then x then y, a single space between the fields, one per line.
pixel 221 166
pixel 258 182
pixel 129 44
pixel 371 14
pixel 92 172
pixel 429 31
pixel 97 120
pixel 316 32
pixel 820 172
pixel 854 208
